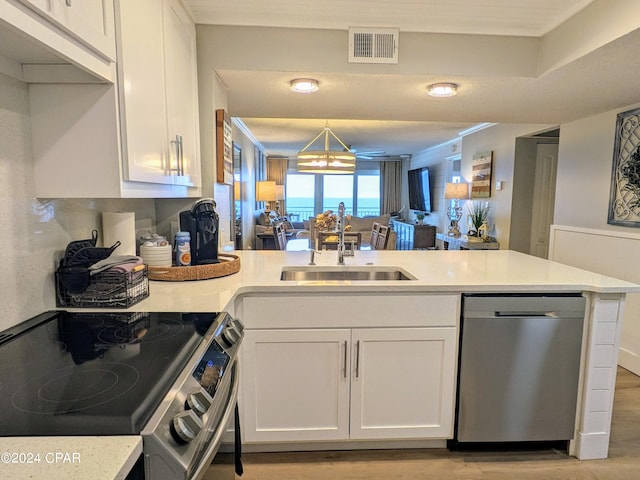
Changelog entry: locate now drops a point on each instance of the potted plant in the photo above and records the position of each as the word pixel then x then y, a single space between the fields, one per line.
pixel 477 215
pixel 420 216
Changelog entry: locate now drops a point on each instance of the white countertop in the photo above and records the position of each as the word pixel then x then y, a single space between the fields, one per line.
pixel 68 458
pixel 435 271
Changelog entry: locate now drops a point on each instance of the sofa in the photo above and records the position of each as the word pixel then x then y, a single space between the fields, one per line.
pixel 266 220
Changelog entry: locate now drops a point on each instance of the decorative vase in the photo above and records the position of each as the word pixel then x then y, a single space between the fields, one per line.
pixel 482 230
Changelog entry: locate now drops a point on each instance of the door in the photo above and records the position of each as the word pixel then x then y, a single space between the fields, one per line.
pixel 295 385
pixel 544 188
pixel 403 383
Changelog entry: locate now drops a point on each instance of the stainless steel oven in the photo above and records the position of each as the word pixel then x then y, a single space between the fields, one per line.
pixel 170 377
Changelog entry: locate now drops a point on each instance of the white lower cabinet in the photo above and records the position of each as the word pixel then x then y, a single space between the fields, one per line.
pixel 341 384
pixel 402 383
pixel 295 387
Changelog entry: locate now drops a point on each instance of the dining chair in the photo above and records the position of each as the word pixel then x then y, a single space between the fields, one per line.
pixel 375 229
pixel 383 238
pixel 280 237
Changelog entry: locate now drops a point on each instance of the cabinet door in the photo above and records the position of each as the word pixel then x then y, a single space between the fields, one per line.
pixel 41 6
pixel 403 383
pixel 295 385
pixel 182 96
pixel 90 21
pixel 143 112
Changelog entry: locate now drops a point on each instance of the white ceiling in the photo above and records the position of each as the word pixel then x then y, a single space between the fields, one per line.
pixel 390 111
pixel 498 17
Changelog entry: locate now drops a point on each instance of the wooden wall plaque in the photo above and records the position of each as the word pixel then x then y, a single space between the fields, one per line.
pixel 481 175
pixel 224 148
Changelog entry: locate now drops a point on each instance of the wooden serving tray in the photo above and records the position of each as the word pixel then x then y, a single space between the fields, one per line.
pixel 229 264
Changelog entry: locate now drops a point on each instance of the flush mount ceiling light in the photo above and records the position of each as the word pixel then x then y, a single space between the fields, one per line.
pixel 304 85
pixel 327 160
pixel 442 89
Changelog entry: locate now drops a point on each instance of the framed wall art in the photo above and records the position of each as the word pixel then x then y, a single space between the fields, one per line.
pixel 224 148
pixel 481 175
pixel 624 198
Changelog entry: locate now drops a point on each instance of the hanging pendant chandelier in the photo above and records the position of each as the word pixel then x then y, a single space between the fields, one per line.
pixel 327 160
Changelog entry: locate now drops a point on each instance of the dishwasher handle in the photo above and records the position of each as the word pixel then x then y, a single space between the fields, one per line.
pixel 509 313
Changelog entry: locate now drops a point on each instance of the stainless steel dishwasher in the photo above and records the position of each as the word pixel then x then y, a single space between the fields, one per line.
pixel 519 367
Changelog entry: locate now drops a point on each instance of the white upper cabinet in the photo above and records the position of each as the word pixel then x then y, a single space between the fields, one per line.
pixel 57 41
pixel 141 84
pixel 136 138
pixel 182 91
pixel 158 91
pixel 85 20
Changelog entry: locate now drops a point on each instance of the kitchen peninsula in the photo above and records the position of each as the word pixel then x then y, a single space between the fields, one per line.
pixel 346 364
pixel 338 318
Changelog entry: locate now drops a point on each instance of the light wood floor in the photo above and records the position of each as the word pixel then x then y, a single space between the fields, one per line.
pixel 440 464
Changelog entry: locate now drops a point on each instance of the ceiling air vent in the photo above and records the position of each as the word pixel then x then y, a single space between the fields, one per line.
pixel 367 45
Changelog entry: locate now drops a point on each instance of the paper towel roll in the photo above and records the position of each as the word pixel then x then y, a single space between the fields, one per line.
pixel 120 226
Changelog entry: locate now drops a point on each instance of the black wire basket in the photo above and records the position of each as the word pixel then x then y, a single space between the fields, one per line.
pixel 106 290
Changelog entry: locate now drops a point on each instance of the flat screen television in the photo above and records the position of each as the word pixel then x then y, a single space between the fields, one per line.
pixel 419 190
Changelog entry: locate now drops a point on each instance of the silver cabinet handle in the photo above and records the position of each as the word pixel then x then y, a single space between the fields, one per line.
pixel 180 155
pixel 68 3
pixel 357 358
pixel 174 143
pixel 344 370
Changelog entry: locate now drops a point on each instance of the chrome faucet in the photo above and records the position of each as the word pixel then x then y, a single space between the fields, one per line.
pixel 312 255
pixel 342 251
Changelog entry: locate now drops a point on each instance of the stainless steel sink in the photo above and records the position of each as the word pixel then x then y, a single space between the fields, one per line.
pixel 345 273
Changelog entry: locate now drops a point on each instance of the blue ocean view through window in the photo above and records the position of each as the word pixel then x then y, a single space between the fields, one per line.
pixel 304 209
pixel 309 195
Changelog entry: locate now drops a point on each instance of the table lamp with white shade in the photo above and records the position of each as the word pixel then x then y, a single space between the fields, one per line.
pixel 455 192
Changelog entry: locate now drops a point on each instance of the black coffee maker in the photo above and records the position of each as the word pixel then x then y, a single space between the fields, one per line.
pixel 202 224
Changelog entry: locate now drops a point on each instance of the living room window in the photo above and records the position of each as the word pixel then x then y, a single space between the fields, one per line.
pixel 309 194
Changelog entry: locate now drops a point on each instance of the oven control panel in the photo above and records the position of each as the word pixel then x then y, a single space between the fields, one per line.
pixel 232 332
pixel 199 402
pixel 186 426
pixel 189 422
pixel 211 368
pixel 208 373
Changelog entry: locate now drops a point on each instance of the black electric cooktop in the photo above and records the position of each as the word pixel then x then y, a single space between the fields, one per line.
pixel 67 373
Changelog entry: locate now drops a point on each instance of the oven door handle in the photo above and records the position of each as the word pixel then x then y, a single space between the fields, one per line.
pixel 214 445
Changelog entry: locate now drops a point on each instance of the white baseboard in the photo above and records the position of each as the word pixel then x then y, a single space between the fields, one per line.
pixel 590 446
pixel 348 445
pixel 629 360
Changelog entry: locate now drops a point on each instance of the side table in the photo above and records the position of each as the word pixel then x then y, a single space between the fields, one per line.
pixel 460 243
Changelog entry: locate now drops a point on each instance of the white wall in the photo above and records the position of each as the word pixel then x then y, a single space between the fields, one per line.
pixel 212 96
pixel 438 160
pixel 582 201
pixel 584 172
pixel 501 139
